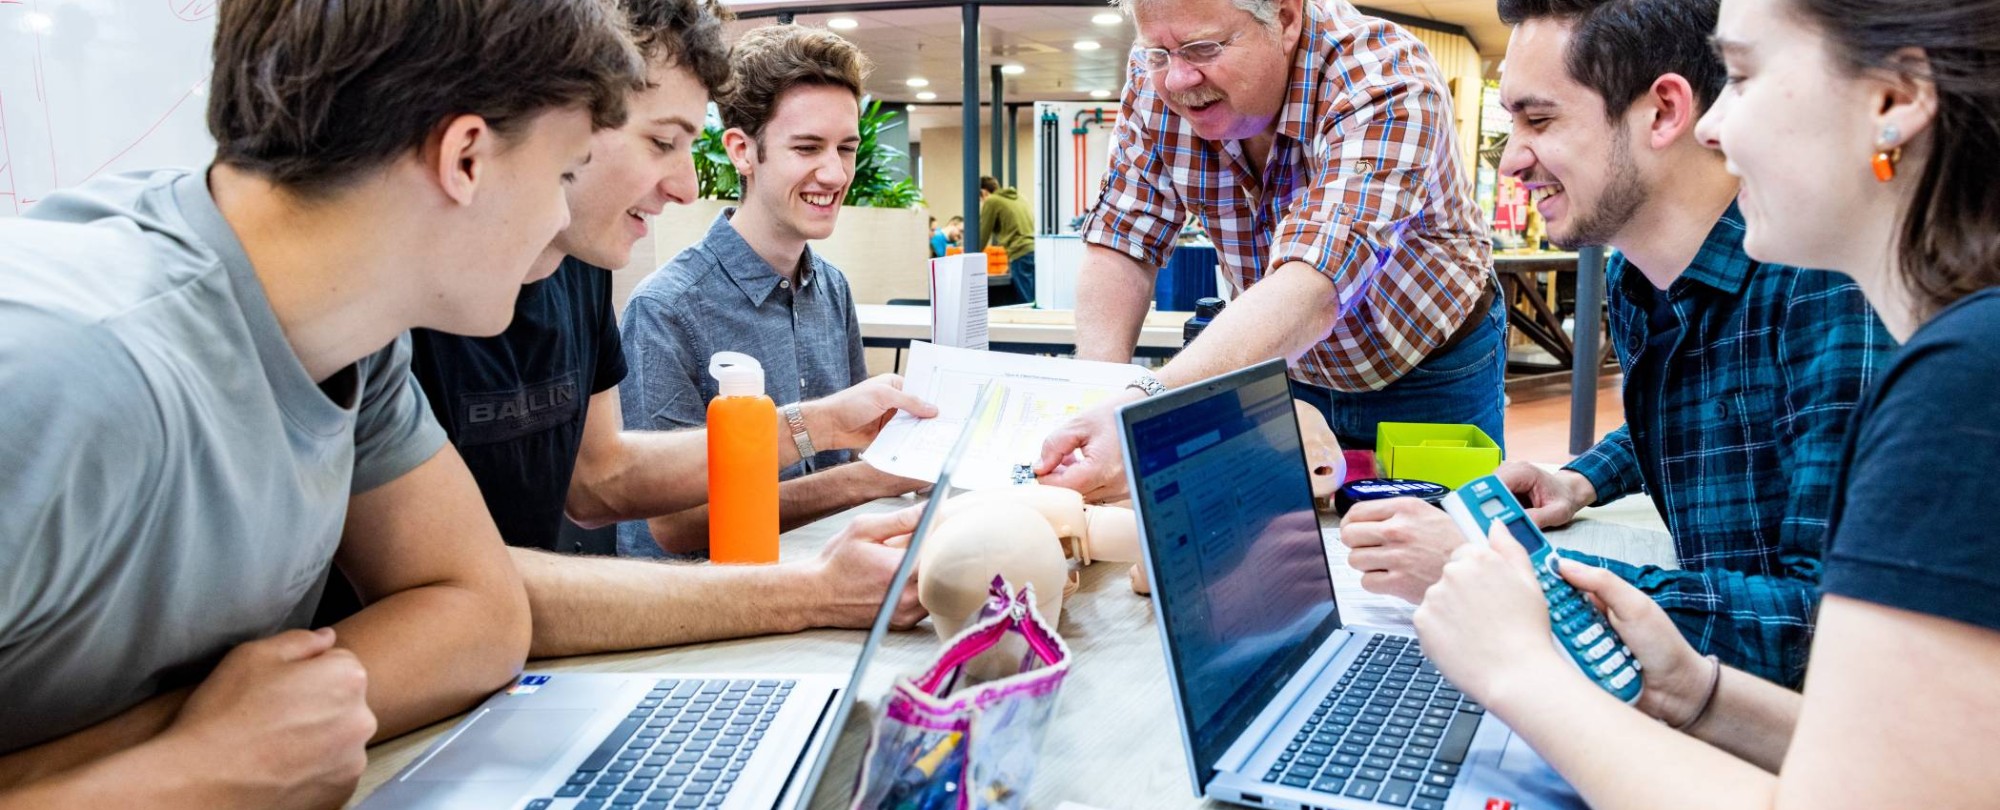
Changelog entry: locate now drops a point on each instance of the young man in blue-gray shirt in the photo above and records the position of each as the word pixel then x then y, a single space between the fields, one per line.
pixel 1740 375
pixel 752 285
pixel 210 405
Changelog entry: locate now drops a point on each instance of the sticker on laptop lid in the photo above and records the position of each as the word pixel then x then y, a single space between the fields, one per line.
pixel 528 685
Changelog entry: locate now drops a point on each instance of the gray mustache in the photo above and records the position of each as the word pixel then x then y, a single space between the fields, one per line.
pixel 1194 98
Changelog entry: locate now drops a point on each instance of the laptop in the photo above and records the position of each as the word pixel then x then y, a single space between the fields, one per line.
pixel 1279 704
pixel 588 741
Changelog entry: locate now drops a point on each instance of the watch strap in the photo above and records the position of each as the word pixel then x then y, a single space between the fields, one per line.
pixel 800 437
pixel 1147 384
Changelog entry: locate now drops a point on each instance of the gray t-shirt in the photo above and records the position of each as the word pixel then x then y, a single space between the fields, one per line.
pixel 174 482
pixel 719 295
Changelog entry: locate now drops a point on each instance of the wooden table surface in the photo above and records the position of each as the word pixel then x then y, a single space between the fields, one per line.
pixel 1115 742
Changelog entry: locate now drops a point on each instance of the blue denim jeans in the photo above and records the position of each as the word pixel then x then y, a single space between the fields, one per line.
pixel 1462 386
pixel 1022 273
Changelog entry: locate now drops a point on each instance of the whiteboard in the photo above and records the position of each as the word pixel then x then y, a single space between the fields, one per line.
pixel 90 87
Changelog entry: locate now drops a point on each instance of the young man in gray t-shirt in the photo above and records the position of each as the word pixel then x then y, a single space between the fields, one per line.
pixel 208 377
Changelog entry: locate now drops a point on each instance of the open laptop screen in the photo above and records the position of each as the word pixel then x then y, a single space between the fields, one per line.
pixel 1220 482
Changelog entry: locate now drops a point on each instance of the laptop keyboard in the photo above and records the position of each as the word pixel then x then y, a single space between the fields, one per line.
pixel 1394 732
pixel 683 747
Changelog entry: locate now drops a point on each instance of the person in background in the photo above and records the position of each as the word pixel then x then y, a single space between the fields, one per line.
pixel 1740 375
pixel 1865 135
pixel 1004 221
pixel 945 238
pixel 535 410
pixel 1316 145
pixel 752 284
pixel 209 374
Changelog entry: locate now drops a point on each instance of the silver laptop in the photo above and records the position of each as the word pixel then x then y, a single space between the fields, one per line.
pixel 584 741
pixel 1280 705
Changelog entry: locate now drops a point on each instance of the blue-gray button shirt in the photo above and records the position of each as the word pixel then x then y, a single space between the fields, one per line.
pixel 720 296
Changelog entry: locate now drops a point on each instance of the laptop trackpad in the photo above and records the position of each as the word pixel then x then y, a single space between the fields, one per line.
pixel 1520 775
pixel 505 746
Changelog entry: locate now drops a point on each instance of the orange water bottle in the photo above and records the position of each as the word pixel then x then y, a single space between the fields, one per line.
pixel 742 463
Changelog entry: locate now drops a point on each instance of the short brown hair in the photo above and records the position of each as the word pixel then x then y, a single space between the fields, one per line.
pixel 683 33
pixel 989 185
pixel 1618 48
pixel 776 58
pixel 311 94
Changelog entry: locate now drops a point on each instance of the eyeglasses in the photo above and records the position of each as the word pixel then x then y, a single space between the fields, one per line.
pixel 1198 54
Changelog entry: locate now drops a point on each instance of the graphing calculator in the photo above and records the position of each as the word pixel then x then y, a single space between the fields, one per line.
pixel 1580 630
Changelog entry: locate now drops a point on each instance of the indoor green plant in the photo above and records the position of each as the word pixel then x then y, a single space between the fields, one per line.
pixel 876 183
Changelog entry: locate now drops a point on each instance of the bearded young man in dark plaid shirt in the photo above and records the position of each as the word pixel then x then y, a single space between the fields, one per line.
pixel 1740 376
pixel 1316 146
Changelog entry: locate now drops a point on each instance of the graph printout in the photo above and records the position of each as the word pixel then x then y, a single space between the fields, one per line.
pixel 1036 395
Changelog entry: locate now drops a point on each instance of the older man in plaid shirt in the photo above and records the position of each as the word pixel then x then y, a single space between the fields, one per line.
pixel 1316 146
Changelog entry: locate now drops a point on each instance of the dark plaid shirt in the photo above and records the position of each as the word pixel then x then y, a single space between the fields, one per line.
pixel 1735 426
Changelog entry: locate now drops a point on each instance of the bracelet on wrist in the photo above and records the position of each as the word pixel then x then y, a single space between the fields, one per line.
pixel 1714 683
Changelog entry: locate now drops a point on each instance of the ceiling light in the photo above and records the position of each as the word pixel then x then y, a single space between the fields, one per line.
pixel 1108 18
pixel 1100 94
pixel 843 23
pixel 1086 45
pixel 926 96
pixel 917 81
pixel 1013 70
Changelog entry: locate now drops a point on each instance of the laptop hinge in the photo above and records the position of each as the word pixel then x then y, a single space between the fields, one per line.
pixel 1239 752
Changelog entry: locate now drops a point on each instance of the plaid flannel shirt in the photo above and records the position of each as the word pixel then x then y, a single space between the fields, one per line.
pixel 1363 183
pixel 1742 452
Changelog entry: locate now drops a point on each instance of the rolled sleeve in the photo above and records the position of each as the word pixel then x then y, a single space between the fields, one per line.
pixel 1364 222
pixel 1139 212
pixel 662 388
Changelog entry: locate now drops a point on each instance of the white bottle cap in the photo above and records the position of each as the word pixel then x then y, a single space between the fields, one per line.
pixel 737 374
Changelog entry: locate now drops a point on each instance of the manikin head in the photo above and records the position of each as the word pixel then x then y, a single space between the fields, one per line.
pixel 466 117
pixel 793 111
pixel 638 169
pixel 1224 66
pixel 1605 95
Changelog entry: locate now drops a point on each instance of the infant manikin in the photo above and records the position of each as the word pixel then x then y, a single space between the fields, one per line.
pixel 1025 534
pixel 1032 533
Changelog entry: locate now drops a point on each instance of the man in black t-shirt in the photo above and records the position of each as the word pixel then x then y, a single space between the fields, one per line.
pixel 535 410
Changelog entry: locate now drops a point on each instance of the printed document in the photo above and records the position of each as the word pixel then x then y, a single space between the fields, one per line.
pixel 1036 395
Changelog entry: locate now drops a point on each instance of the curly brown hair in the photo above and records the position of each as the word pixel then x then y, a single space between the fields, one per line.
pixel 312 94
pixel 683 33
pixel 773 59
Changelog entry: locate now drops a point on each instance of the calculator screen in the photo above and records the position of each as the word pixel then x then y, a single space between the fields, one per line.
pixel 1525 533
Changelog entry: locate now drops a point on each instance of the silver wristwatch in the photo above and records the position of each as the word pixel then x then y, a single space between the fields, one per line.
pixel 800 438
pixel 1148 385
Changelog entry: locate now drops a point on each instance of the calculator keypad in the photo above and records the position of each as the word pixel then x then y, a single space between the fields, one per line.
pixel 1583 633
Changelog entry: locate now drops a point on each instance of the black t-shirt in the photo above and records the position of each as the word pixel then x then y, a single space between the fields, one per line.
pixel 514 403
pixel 1917 522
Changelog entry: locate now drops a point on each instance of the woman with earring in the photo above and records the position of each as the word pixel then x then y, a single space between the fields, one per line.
pixel 1867 137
